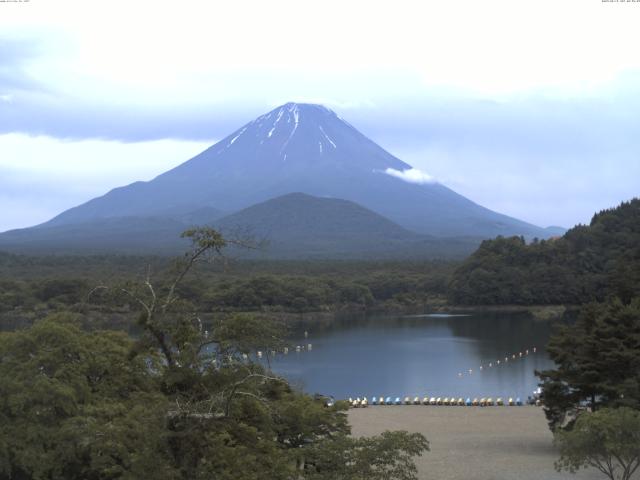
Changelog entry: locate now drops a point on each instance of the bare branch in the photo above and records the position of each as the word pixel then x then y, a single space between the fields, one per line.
pixel 235 386
pixel 140 301
pixel 95 289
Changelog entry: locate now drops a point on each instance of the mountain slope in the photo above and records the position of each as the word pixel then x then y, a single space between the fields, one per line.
pixel 293 226
pixel 299 225
pixel 129 235
pixel 301 148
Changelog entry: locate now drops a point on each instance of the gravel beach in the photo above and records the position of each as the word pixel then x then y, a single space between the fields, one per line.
pixel 473 443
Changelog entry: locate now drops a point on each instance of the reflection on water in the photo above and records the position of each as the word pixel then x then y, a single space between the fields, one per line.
pixel 419 355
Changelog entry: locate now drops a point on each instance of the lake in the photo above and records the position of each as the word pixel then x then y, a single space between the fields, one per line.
pixel 417 355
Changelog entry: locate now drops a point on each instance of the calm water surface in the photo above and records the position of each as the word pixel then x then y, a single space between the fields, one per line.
pixel 419 355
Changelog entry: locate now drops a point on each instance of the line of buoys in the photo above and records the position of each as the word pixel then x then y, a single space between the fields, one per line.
pixel 300 348
pixel 285 350
pixel 444 401
pixel 513 356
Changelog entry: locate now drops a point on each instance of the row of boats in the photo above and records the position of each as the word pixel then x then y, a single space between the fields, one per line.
pixel 452 401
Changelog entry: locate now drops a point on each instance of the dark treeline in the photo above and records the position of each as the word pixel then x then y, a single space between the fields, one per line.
pixel 32 287
pixel 589 263
pixel 36 266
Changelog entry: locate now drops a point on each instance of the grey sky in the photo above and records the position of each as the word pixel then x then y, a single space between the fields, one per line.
pixel 530 114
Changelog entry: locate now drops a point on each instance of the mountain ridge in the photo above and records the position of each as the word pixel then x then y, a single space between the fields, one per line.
pixel 306 148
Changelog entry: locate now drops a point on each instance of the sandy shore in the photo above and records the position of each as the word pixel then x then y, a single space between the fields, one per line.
pixel 472 443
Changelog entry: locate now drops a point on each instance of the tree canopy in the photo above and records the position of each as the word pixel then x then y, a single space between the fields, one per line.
pixel 587 264
pixel 74 405
pixel 608 440
pixel 597 362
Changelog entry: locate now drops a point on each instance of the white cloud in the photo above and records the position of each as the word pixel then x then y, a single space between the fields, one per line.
pixel 411 175
pixel 42 176
pixel 195 51
pixel 541 187
pixel 327 102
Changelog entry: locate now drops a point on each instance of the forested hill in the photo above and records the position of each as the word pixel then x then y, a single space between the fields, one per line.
pixel 587 263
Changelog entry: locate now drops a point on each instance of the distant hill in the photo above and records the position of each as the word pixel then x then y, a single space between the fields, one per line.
pixel 294 226
pixel 300 225
pixel 587 263
pixel 302 217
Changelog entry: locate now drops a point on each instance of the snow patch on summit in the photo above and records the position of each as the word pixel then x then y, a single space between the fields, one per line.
pixel 280 113
pixel 327 137
pixel 236 137
pixel 296 115
pixel 296 119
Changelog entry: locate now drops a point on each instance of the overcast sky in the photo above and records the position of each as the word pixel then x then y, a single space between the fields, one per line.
pixel 529 108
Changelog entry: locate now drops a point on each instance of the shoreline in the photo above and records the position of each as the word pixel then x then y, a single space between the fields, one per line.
pixel 539 312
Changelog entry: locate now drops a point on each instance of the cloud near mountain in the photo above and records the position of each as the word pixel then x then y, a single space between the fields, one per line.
pixel 411 175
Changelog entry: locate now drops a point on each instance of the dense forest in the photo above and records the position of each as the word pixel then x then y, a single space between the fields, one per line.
pixel 589 263
pixel 33 287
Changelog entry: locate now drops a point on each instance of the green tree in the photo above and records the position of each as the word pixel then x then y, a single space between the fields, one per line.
pixel 389 455
pixel 597 362
pixel 74 406
pixel 608 440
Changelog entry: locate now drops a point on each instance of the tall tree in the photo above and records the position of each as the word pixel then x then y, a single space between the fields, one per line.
pixel 598 362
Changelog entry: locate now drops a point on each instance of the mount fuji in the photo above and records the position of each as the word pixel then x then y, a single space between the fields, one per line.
pixel 303 148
